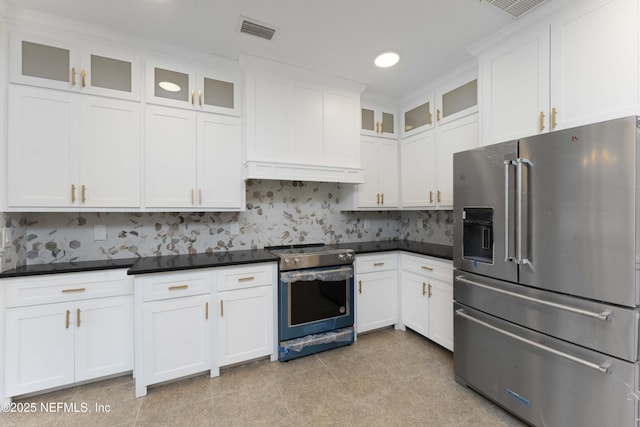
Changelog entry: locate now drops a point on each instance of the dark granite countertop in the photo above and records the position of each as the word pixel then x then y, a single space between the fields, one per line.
pixel 159 264
pixel 187 262
pixel 69 267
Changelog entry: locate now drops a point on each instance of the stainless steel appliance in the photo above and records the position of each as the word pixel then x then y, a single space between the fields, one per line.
pixel 316 294
pixel 547 247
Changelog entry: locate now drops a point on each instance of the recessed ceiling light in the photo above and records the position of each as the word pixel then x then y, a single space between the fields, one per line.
pixel 168 86
pixel 387 59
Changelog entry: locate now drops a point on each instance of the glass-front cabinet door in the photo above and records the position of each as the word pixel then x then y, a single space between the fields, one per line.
pixel 46 62
pixel 190 87
pixel 110 72
pixel 457 101
pixel 418 118
pixel 378 121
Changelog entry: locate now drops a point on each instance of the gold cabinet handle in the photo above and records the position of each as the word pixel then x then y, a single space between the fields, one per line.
pixel 200 97
pixel 246 279
pixel 83 73
pixel 359 286
pixel 430 196
pixel 73 193
pixel 67 319
pixel 193 200
pixel 221 308
pixel 73 76
pixel 378 264
pixel 178 287
pixel 200 196
pixel 541 121
pixel 193 94
pixel 427 268
pixel 68 291
pixel 382 199
pixel 206 311
pixel 430 118
pixel 437 114
pixel 378 196
pixel 78 318
pixel 424 291
pixel 377 127
pixel 84 193
pixel 429 291
pixel 381 128
pixel 439 196
pixel 554 115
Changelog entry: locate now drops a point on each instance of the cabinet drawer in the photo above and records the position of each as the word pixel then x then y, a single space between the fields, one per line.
pixel 230 278
pixel 427 266
pixel 376 262
pixel 174 285
pixel 52 288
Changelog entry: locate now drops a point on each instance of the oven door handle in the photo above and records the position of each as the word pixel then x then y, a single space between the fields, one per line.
pixel 334 274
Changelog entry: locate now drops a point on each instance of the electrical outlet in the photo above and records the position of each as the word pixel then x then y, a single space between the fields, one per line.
pixel 7 237
pixel 100 232
pixel 367 224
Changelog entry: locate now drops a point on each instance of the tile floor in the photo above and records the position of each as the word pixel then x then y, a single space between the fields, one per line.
pixel 387 378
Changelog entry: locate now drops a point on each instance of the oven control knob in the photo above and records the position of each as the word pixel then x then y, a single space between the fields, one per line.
pixel 350 257
pixel 296 260
pixel 287 261
pixel 342 257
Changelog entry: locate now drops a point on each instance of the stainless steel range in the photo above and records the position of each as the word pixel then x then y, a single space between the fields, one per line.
pixel 316 294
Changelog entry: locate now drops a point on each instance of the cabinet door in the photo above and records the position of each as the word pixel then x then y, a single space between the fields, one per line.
pixel 457 135
pixel 341 135
pixel 218 92
pixel 415 305
pixel 418 118
pixel 110 153
pixel 44 61
pixel 456 100
pixel 42 148
pixel 514 87
pixel 103 337
pixel 376 300
pixel 269 137
pixel 39 348
pixel 388 173
pixel 220 183
pixel 378 121
pixel 177 338
pixel 594 62
pixel 441 312
pixel 110 72
pixel 245 324
pixel 171 84
pixel 369 192
pixel 417 175
pixel 170 158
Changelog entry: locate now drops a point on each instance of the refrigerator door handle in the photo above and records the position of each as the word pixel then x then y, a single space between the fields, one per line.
pixel 507 256
pixel 604 316
pixel 604 368
pixel 519 162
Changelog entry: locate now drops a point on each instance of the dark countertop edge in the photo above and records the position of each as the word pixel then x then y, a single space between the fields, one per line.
pixel 150 265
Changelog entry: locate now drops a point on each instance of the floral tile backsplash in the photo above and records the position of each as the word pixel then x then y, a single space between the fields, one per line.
pixel 278 213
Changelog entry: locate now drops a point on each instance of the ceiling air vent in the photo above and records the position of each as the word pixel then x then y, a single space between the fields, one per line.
pixel 515 8
pixel 255 29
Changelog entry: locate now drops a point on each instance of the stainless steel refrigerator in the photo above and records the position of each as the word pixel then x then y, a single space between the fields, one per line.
pixel 546 287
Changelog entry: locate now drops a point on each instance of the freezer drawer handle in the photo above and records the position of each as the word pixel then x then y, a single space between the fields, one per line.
pixel 604 368
pixel 605 316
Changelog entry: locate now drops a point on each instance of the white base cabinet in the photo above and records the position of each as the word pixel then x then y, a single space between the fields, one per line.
pixel 376 291
pixel 76 332
pixel 246 315
pixel 427 297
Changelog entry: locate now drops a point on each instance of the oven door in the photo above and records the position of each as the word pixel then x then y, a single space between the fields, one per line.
pixel 315 300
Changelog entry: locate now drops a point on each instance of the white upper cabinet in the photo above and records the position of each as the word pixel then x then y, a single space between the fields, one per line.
pixel 577 66
pixel 192 160
pixel 189 86
pixel 378 120
pixel 418 117
pixel 69 64
pixel 84 152
pixel 417 177
pixel 300 125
